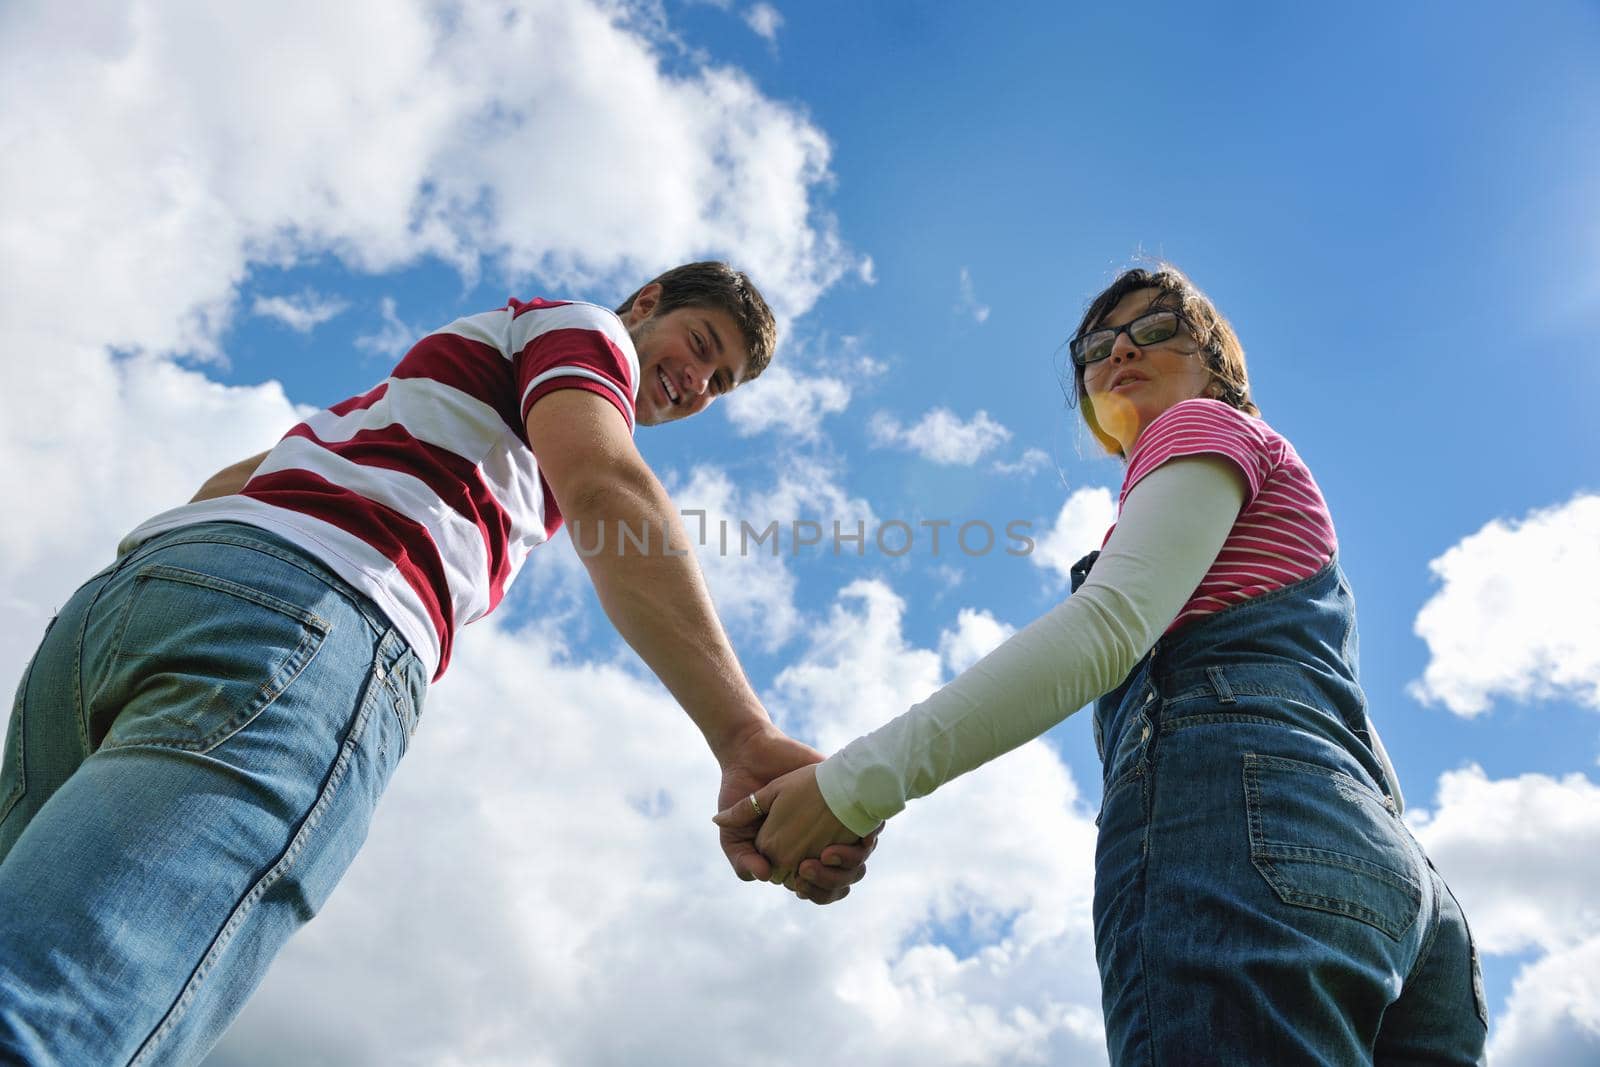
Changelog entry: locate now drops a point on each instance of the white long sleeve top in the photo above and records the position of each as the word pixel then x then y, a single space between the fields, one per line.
pixel 1172 525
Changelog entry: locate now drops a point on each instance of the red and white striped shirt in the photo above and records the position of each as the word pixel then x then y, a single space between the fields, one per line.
pixel 1284 532
pixel 423 493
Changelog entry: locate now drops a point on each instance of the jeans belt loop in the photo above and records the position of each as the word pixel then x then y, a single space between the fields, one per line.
pixel 1219 685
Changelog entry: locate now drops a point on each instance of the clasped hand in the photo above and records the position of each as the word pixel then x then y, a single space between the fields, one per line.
pixel 799 837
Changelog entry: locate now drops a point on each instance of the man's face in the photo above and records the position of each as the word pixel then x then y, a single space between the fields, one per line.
pixel 688 357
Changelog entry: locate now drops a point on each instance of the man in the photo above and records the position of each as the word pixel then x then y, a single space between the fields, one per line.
pixel 197 748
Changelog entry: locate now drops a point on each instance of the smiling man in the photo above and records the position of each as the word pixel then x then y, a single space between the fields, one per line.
pixel 200 742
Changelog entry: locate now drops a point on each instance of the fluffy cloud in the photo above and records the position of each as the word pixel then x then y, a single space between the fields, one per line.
pixel 1079 527
pixel 753 587
pixel 1522 854
pixel 1553 1016
pixel 394 336
pixel 976 634
pixel 941 436
pixel 302 313
pixel 789 401
pixel 542 886
pixel 765 20
pixel 172 145
pixel 1033 459
pixel 1517 614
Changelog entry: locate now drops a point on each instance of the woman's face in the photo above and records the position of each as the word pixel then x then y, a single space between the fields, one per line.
pixel 1133 385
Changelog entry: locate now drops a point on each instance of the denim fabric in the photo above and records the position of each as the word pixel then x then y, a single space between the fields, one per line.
pixel 1257 898
pixel 193 760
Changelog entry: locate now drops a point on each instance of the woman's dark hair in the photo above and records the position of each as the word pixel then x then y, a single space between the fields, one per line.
pixel 1223 353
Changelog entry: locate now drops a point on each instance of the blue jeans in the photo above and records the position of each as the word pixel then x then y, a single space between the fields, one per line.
pixel 1257 898
pixel 193 760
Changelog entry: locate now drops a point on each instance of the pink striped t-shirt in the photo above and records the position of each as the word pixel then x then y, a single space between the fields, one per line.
pixel 423 492
pixel 1284 532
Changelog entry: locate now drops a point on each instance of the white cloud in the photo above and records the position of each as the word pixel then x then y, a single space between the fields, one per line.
pixel 543 868
pixel 302 313
pixel 159 172
pixel 1553 1016
pixel 941 436
pixel 1032 459
pixel 968 305
pixel 976 634
pixel 765 20
pixel 753 588
pixel 788 401
pixel 1522 854
pixel 1518 613
pixel 1079 528
pixel 393 337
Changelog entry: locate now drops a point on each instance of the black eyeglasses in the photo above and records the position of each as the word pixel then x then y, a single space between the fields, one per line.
pixel 1152 329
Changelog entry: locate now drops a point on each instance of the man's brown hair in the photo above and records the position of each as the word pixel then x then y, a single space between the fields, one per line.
pixel 714 284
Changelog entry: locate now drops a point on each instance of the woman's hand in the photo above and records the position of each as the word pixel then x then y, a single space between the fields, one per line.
pixel 760 759
pixel 798 823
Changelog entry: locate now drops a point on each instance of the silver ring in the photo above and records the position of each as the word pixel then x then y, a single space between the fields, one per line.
pixel 754 803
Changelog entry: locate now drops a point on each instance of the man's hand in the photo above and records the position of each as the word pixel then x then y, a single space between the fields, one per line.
pixel 796 823
pixel 763 755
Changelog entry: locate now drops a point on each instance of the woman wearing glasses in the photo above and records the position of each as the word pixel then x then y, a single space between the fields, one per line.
pixel 1257 898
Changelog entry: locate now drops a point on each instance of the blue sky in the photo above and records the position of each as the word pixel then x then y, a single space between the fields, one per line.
pixel 1396 206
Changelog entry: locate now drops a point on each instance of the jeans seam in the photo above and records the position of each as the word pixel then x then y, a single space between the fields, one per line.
pixel 83 708
pixel 273 688
pixel 274 874
pixel 1263 853
pixel 314 630
pixel 1186 721
pixel 1147 791
pixel 1432 933
pixel 201 580
pixel 369 611
pixel 20 788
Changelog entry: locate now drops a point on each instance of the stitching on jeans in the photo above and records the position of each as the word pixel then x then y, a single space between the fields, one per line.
pixel 1262 853
pixel 202 580
pixel 338 585
pixel 314 630
pixel 1169 726
pixel 273 688
pixel 275 873
pixel 18 756
pixel 1144 926
pixel 1432 932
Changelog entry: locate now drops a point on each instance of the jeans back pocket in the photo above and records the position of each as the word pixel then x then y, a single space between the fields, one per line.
pixel 198 657
pixel 1323 840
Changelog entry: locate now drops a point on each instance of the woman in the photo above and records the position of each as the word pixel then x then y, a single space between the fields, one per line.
pixel 1257 898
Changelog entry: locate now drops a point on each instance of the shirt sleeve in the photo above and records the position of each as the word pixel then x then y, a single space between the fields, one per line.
pixel 573 346
pixel 1172 527
pixel 1202 427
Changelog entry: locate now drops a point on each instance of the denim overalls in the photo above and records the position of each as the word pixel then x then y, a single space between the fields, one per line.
pixel 1257 897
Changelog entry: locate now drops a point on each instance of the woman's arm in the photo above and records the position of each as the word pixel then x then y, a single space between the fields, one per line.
pixel 1173 524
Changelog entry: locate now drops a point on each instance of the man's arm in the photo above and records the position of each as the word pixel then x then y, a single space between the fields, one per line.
pixel 229 480
pixel 658 601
